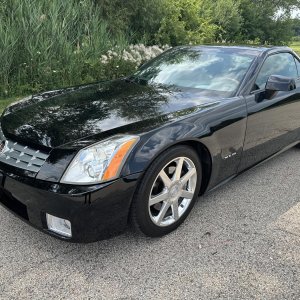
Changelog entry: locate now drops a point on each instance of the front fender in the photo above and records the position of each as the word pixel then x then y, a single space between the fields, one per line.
pixel 221 130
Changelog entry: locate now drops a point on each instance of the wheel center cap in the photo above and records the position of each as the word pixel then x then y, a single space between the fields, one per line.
pixel 175 190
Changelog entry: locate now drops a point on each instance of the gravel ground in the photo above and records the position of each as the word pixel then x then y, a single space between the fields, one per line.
pixel 241 241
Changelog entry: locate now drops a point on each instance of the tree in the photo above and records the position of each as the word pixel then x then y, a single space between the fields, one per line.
pixel 183 24
pixel 296 27
pixel 226 15
pixel 262 22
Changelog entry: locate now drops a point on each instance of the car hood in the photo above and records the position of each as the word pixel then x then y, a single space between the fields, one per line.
pixel 59 117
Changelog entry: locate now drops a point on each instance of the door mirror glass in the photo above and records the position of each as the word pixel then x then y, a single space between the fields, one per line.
pixel 280 83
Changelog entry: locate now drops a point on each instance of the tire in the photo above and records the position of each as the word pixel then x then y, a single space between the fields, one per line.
pixel 154 218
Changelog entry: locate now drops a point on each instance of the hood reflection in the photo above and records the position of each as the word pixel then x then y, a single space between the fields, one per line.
pixel 59 117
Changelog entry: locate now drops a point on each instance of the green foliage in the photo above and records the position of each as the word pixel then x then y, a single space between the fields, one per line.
pixel 48 44
pixel 5 102
pixel 226 15
pixel 115 14
pixel 44 44
pixel 296 28
pixel 183 24
pixel 261 22
pixel 117 68
pixel 140 19
pixel 296 46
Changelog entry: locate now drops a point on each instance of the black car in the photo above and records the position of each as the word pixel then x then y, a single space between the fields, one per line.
pixel 83 162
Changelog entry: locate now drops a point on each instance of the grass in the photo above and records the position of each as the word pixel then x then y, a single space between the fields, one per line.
pixel 46 44
pixel 296 47
pixel 5 102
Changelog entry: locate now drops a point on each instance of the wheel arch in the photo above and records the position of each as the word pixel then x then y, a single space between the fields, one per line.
pixel 203 153
pixel 205 159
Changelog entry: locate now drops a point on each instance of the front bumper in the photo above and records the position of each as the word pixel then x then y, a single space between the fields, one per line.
pixel 95 213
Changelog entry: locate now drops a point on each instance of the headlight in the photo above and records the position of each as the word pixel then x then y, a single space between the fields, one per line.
pixel 100 162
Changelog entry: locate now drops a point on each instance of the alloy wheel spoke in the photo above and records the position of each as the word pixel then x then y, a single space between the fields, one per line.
pixel 188 176
pixel 162 212
pixel 178 169
pixel 165 178
pixel 175 210
pixel 158 198
pixel 187 194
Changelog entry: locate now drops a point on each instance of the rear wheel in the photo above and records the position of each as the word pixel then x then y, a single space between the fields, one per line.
pixel 167 192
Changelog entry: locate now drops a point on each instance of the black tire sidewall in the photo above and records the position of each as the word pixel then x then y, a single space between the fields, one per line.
pixel 140 211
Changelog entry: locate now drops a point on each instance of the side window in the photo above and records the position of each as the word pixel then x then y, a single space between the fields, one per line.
pixel 278 64
pixel 298 66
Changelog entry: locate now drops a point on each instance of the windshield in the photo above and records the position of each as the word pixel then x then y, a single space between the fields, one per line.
pixel 214 69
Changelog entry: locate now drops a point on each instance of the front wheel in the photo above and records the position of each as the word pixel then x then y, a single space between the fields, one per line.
pixel 167 192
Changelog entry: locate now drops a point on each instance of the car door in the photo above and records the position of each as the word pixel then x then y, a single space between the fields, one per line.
pixel 273 121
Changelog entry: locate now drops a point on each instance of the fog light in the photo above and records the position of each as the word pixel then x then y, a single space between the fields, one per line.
pixel 58 225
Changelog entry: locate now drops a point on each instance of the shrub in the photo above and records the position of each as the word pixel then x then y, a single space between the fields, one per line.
pixel 139 19
pixel 116 63
pixel 183 24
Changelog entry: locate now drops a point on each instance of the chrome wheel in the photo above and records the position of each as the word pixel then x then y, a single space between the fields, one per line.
pixel 172 191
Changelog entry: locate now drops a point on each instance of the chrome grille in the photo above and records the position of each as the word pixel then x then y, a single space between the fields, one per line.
pixel 22 157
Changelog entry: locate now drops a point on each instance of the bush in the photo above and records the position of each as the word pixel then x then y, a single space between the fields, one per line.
pixel 116 63
pixel 296 39
pixel 183 24
pixel 139 19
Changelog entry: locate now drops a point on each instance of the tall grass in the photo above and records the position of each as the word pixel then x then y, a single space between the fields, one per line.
pixel 46 44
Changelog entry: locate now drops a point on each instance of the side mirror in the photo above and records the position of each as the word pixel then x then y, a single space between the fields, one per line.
pixel 280 83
